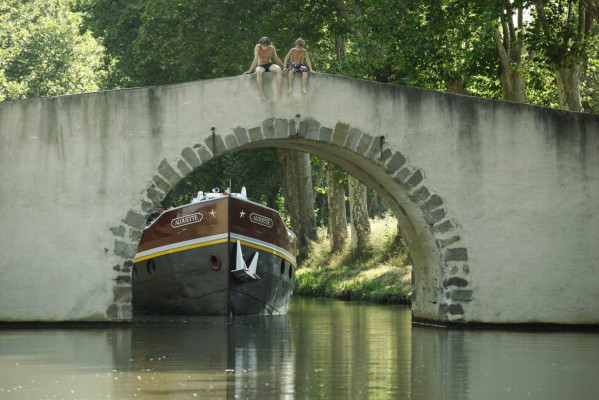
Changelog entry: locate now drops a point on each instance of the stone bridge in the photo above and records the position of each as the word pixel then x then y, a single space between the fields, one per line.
pixel 499 202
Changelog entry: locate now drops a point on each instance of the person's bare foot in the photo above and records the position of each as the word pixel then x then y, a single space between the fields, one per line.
pixel 304 91
pixel 262 98
pixel 289 91
pixel 279 95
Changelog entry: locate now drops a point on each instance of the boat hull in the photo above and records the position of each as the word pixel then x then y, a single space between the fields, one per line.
pixel 194 260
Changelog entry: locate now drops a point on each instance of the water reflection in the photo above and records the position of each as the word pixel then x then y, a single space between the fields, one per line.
pixel 321 350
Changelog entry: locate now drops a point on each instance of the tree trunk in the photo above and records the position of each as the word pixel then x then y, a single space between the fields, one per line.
pixel 358 211
pixel 297 179
pixel 509 52
pixel 568 87
pixel 337 215
pixel 455 86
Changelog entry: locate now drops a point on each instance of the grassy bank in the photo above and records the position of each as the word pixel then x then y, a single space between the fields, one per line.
pixel 382 274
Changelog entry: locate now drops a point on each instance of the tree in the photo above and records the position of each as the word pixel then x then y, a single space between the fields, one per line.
pixel 562 34
pixel 358 211
pixel 336 200
pixel 44 53
pixel 509 41
pixel 592 7
pixel 299 201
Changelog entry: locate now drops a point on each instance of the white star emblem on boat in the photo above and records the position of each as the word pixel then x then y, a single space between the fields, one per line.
pixel 212 213
pixel 241 214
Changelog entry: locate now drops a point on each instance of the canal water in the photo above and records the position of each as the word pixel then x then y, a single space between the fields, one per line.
pixel 320 350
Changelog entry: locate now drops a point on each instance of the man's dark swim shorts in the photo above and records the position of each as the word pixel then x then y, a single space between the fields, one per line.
pixel 296 67
pixel 265 66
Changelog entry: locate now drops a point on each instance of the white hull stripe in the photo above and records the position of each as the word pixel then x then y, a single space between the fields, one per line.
pixel 278 251
pixel 220 238
pixel 179 246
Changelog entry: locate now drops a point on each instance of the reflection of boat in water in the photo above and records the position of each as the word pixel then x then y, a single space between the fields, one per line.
pixel 220 255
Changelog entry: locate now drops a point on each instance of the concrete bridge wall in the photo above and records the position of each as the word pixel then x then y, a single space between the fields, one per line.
pixel 499 202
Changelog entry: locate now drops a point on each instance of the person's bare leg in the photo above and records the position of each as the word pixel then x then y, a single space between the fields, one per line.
pixel 290 82
pixel 279 79
pixel 259 72
pixel 304 81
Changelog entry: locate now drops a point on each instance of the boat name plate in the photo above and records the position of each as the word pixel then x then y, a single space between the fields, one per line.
pixel 261 220
pixel 186 220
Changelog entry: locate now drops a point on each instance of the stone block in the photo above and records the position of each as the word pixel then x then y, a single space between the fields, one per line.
pixel 216 144
pixel 281 128
pixel 112 312
pixel 154 194
pixel 312 130
pixel 455 281
pixel 169 173
pixel 326 134
pixel 444 227
pixel 396 161
pixel 446 242
pixel 269 129
pixel 403 174
pixel 460 294
pixel 122 294
pixel 191 157
pixel 364 144
pixel 183 168
pixel 421 194
pixel 453 309
pixel 241 134
pixel 135 219
pixel 147 206
pixel 340 134
pixel 433 203
pixel 124 249
pixel 162 184
pixel 415 179
pixel 118 231
pixel 456 254
pixel 231 142
pixel 203 152
pixel 255 134
pixel 353 138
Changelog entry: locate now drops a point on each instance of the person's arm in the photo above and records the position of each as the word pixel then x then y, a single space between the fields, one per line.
pixel 255 62
pixel 287 58
pixel 308 61
pixel 276 57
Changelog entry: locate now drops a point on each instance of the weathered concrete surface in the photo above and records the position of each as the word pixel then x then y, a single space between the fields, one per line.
pixel 499 202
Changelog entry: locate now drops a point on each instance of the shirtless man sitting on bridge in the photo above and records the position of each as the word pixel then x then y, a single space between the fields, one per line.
pixel 263 52
pixel 297 56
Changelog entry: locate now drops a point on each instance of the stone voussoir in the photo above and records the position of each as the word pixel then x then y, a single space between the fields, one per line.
pixel 191 157
pixel 203 152
pixel 241 134
pixel 169 173
pixel 230 141
pixel 255 134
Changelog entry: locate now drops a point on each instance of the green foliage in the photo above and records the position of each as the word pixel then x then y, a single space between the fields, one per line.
pixel 382 274
pixel 44 53
pixel 256 169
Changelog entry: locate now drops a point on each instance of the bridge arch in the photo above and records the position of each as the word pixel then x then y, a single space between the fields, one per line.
pixel 442 284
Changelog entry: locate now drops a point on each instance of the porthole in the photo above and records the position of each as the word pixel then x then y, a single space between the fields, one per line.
pixel 282 267
pixel 151 266
pixel 214 262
